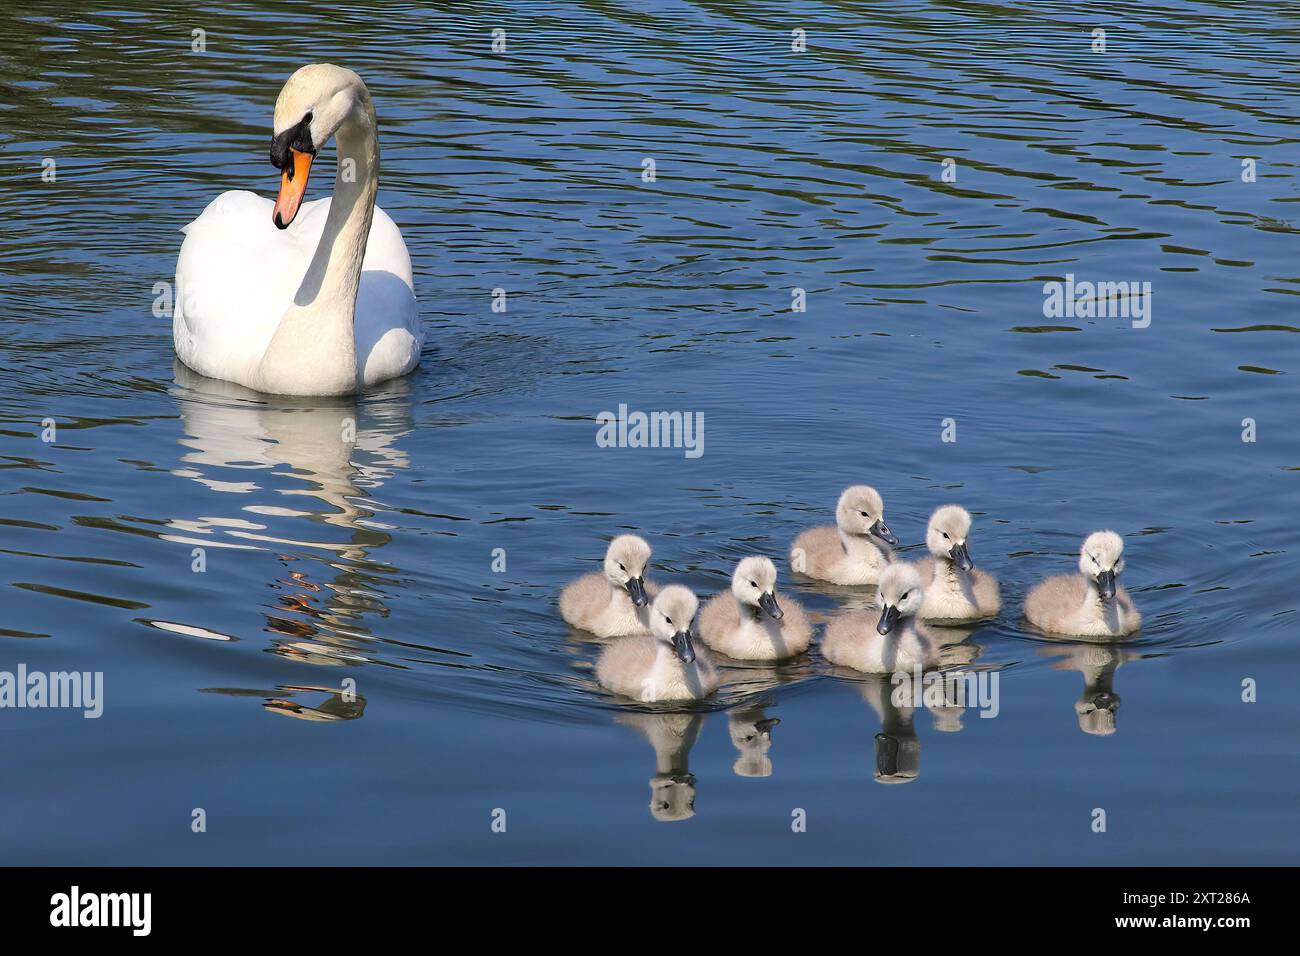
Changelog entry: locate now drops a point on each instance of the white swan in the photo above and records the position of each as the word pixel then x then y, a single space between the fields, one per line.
pixel 324 304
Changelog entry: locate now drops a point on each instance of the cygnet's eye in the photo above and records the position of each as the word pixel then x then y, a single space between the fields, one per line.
pixel 1093 558
pixel 620 566
pixel 668 619
pixel 753 584
pixel 905 594
pixel 864 514
pixel 945 535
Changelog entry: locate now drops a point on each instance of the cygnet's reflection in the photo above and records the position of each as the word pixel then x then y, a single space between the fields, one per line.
pixel 748 723
pixel 946 693
pixel 898 749
pixel 1098 706
pixel 310 466
pixel 751 733
pixel 672 788
pixel 957 652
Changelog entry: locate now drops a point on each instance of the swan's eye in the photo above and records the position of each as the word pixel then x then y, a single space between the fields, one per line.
pixel 905 594
pixel 864 514
pixel 945 535
pixel 621 568
pixel 668 619
pixel 753 584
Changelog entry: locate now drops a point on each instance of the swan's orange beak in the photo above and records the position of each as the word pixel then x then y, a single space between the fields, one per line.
pixel 293 186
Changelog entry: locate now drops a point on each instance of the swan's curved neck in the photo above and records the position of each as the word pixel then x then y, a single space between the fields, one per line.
pixel 335 271
pixel 313 350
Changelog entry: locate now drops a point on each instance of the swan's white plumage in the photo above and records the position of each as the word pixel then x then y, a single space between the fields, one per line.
pixel 237 274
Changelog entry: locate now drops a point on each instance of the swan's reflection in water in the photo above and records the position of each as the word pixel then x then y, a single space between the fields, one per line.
pixel 338 704
pixel 311 466
pixel 945 692
pixel 751 734
pixel 672 733
pixel 957 652
pixel 1098 706
pixel 672 788
pixel 898 749
pixel 748 722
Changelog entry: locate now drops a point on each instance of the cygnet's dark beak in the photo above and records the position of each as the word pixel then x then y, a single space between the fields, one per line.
pixel 767 603
pixel 961 557
pixel 881 531
pixel 683 646
pixel 636 591
pixel 1106 585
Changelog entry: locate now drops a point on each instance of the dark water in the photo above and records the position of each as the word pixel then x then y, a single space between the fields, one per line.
pixel 822 170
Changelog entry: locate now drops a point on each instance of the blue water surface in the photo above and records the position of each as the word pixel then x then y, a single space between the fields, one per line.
pixel 375 563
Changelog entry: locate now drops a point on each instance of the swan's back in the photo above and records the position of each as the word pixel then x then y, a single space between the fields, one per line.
pixel 795 626
pixel 720 617
pixel 1051 604
pixel 821 549
pixel 988 593
pixel 845 633
pixel 582 600
pixel 625 664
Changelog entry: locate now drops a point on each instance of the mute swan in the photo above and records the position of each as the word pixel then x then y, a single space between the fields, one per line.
pixel 352 320
pixel 889 639
pixel 954 589
pixel 664 664
pixel 612 603
pixel 853 552
pixel 1090 603
pixel 748 624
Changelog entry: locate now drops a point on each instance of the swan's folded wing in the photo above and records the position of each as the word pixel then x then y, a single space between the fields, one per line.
pixel 389 335
pixel 237 274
